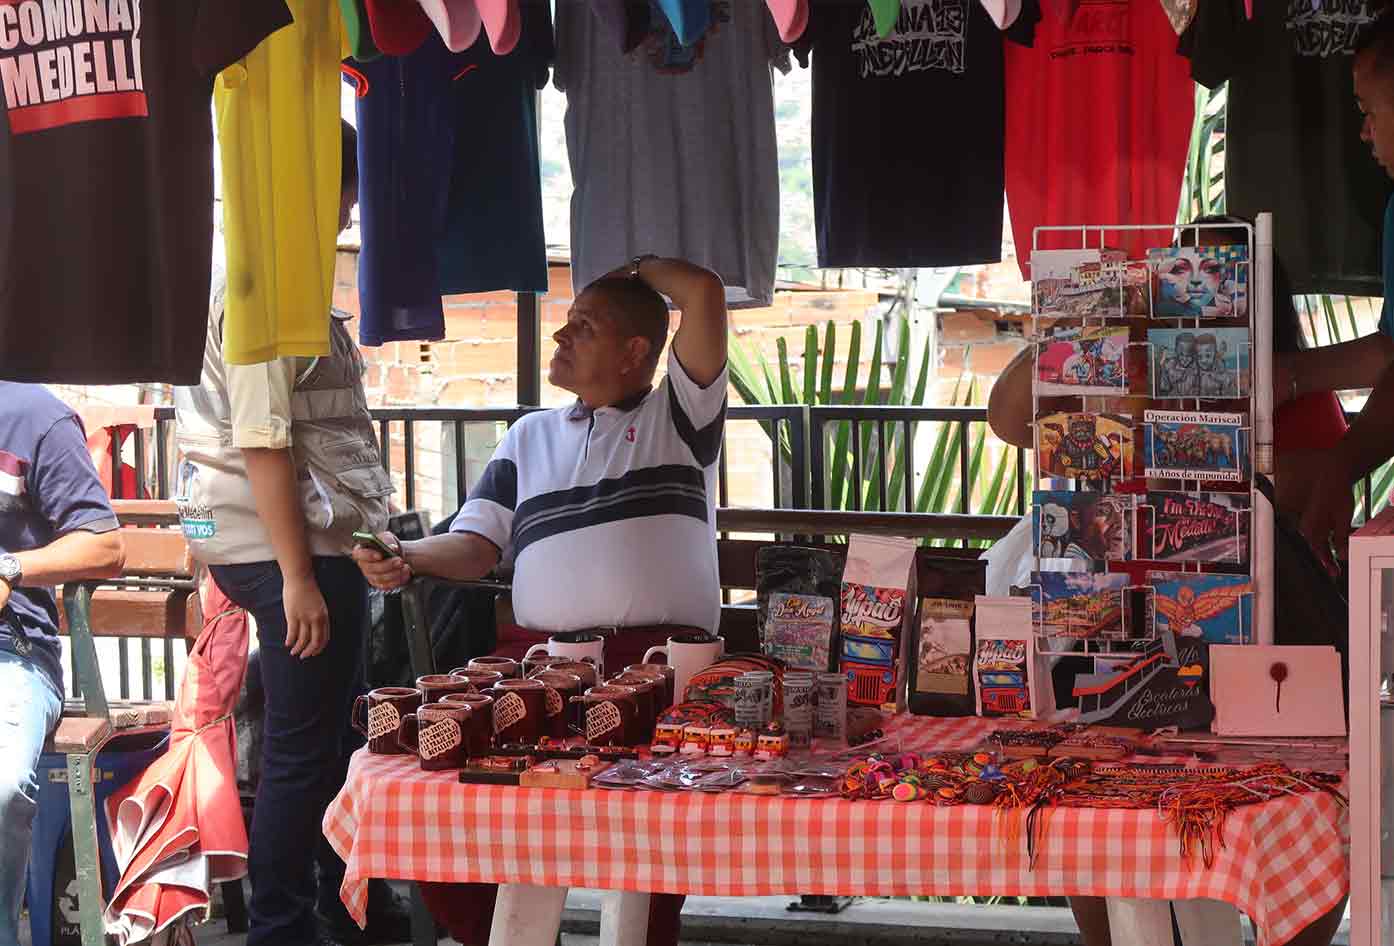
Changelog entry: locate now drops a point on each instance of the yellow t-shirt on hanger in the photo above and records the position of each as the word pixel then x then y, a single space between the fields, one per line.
pixel 279 141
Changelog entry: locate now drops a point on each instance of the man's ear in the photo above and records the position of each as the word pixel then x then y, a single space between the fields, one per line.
pixel 636 354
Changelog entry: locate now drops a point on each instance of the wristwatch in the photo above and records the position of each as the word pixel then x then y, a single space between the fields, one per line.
pixel 11 572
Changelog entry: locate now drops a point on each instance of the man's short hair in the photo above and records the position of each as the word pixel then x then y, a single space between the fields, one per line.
pixel 637 308
pixel 348 179
pixel 1206 339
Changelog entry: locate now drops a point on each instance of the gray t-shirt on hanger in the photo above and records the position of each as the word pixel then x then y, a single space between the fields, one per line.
pixel 673 149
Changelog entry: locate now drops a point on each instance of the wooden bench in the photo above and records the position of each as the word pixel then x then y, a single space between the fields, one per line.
pixel 155 598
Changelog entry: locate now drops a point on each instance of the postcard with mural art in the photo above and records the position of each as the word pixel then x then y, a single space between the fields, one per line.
pixel 1087 446
pixel 1054 291
pixel 1216 608
pixel 1079 605
pixel 1209 282
pixel 1195 445
pixel 1194 527
pixel 1083 361
pixel 1093 528
pixel 1212 362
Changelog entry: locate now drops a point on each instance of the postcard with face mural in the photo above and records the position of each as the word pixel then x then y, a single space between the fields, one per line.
pixel 1209 282
pixel 1079 605
pixel 1216 608
pixel 1081 445
pixel 1194 527
pixel 1212 363
pixel 1195 445
pixel 1093 528
pixel 1083 361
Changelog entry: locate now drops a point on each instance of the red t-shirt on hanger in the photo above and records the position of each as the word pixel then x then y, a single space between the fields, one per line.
pixel 1099 116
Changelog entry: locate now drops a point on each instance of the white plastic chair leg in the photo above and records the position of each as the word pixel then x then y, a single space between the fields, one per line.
pixel 525 915
pixel 1139 922
pixel 1208 923
pixel 624 919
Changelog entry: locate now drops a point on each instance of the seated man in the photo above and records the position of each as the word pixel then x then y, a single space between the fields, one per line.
pixel 605 507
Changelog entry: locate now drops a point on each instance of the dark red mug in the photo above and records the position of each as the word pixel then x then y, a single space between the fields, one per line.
pixel 433 686
pixel 561 715
pixel 610 714
pixel 507 666
pixel 520 711
pixel 646 693
pixel 664 680
pixel 479 736
pixel 482 679
pixel 378 714
pixel 540 662
pixel 586 671
pixel 438 735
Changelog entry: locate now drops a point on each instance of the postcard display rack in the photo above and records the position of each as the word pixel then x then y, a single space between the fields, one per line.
pixel 1152 411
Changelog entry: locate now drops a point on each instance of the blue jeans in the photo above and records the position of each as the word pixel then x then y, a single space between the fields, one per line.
pixel 303 765
pixel 29 709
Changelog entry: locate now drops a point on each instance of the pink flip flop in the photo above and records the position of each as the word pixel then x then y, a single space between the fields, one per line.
pixel 790 16
pixel 502 22
pixel 457 22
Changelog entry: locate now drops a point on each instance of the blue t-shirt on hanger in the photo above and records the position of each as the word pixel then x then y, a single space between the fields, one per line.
pixel 1386 316
pixel 450 188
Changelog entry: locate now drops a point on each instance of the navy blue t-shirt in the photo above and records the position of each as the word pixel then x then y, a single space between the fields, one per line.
pixel 450 186
pixel 1386 316
pixel 48 488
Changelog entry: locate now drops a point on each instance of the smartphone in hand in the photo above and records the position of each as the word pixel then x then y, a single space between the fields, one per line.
pixel 370 540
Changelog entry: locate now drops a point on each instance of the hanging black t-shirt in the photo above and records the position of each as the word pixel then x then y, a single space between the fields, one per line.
pixel 908 133
pixel 1292 141
pixel 106 182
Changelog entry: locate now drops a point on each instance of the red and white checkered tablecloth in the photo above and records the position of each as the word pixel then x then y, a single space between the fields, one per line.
pixel 1284 862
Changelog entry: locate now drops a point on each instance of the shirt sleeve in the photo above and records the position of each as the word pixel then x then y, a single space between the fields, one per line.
pixel 489 510
pixel 227 30
pixel 63 484
pixel 699 413
pixel 1214 41
pixel 259 403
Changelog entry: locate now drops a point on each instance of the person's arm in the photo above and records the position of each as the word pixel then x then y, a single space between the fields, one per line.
pixel 1009 402
pixel 76 556
pixel 1348 366
pixel 1326 524
pixel 455 556
pixel 259 398
pixel 700 342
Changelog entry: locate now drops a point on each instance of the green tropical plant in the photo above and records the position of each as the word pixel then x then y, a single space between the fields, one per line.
pixel 934 485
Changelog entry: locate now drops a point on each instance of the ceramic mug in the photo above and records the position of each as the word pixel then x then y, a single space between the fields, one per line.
pixel 688 653
pixel 648 695
pixel 479 735
pixel 378 714
pixel 586 671
pixel 610 714
pixel 539 662
pixel 437 734
pixel 433 686
pixel 520 711
pixel 482 679
pixel 661 674
pixel 507 666
pixel 561 715
pixel 573 645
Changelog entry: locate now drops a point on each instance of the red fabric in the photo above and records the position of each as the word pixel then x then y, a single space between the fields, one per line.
pixel 467 910
pixel 185 805
pixel 1098 125
pixel 399 27
pixel 1312 422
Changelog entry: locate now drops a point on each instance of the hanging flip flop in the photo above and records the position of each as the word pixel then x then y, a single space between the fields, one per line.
pixel 790 16
pixel 1003 12
pixel 360 34
pixel 457 22
pixel 502 22
pixel 688 18
pixel 399 27
pixel 884 13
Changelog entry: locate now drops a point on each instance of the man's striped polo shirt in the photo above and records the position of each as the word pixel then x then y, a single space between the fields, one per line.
pixel 609 516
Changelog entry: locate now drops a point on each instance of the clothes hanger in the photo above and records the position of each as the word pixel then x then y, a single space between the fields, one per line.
pixel 502 22
pixel 790 16
pixel 457 22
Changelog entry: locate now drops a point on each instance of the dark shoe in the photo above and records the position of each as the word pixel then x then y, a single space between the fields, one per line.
pixel 339 929
pixel 389 916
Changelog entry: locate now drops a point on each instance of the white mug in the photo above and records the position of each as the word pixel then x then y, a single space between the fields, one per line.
pixel 573 645
pixel 688 654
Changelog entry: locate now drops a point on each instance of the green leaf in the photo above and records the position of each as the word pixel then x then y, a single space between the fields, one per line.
pixel 743 373
pixel 837 480
pixel 938 475
pixel 810 364
pixel 829 352
pixel 871 459
pixel 786 380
